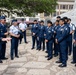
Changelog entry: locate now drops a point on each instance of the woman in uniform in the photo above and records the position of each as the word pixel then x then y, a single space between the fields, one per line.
pixel 14 33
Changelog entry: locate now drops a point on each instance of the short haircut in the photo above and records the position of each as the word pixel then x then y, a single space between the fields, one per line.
pixel 41 21
pixel 62 19
pixel 58 16
pixel 49 22
pixel 22 19
pixel 65 18
pixel 57 21
pixel 35 20
pixel 69 19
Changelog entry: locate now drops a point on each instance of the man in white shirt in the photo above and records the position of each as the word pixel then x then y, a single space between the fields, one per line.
pixel 23 27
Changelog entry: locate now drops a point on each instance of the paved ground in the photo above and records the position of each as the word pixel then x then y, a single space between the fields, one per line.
pixel 33 62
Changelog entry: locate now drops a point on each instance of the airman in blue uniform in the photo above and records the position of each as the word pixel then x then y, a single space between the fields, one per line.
pixel 35 38
pixel 56 46
pixel 4 34
pixel 49 39
pixel 1 40
pixel 14 33
pixel 41 35
pixel 68 32
pixel 61 40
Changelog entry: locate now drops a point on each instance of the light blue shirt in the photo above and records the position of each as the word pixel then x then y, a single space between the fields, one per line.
pixel 71 27
pixel 23 26
pixel 14 30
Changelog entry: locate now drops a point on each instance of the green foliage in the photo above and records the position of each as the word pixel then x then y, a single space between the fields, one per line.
pixel 30 6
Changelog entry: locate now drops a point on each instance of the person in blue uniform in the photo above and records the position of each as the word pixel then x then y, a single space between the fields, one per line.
pixel 49 39
pixel 74 48
pixel 14 33
pixel 72 29
pixel 35 38
pixel 23 28
pixel 41 35
pixel 56 46
pixel 68 32
pixel 61 40
pixel 4 34
pixel 1 40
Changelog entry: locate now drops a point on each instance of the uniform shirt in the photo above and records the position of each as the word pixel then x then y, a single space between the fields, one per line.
pixel 41 31
pixel 23 26
pixel 62 33
pixel 3 30
pixel 14 30
pixel 49 33
pixel 35 29
pixel 0 37
pixel 56 28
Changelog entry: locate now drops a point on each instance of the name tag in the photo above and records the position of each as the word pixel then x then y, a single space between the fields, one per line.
pixel 49 31
pixel 62 29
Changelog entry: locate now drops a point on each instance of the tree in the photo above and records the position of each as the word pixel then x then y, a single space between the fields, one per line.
pixel 30 6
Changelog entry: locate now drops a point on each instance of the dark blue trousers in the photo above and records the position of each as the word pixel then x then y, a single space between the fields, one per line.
pixel 41 41
pixel 74 53
pixel 63 52
pixel 35 40
pixel 69 43
pixel 0 51
pixel 49 48
pixel 14 47
pixel 56 48
pixel 24 35
pixel 3 49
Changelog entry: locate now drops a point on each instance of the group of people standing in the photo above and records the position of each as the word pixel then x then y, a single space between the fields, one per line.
pixel 16 33
pixel 59 39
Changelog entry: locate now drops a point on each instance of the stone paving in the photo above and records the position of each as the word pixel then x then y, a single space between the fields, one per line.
pixel 33 62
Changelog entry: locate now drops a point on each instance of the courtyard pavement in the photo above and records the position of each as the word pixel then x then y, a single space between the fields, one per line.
pixel 33 62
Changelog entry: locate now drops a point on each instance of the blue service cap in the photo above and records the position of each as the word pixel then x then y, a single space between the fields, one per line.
pixel 14 20
pixel 2 17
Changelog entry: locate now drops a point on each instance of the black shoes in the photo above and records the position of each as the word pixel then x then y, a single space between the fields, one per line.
pixel 26 42
pixel 72 62
pixel 46 56
pixel 39 49
pixel 62 65
pixel 17 56
pixel 46 51
pixel 58 61
pixel 32 48
pixel 4 58
pixel 12 58
pixel 49 58
pixel 1 61
pixel 69 54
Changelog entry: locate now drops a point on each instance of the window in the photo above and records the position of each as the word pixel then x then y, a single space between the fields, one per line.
pixel 57 7
pixel 70 6
pixel 62 12
pixel 63 6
